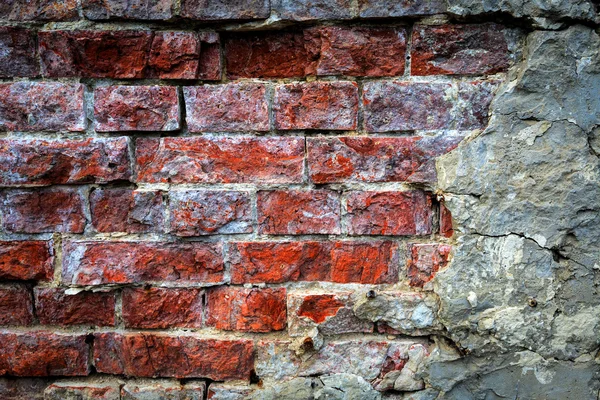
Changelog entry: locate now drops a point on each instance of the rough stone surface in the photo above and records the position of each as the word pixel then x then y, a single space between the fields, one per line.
pixel 316 105
pixel 164 390
pixel 220 160
pixel 41 106
pixel 208 10
pixel 67 390
pixel 399 8
pixel 227 108
pixel 126 210
pixel 96 263
pixel 128 9
pixel 389 213
pixel 246 310
pixel 44 210
pixel 19 53
pixel 344 262
pixel 55 307
pixel 154 355
pixel 23 388
pixel 175 55
pixel 156 308
pixel 26 260
pixel 38 10
pixel 136 108
pixel 300 10
pixel 298 212
pixel 197 213
pixel 425 261
pixel 16 305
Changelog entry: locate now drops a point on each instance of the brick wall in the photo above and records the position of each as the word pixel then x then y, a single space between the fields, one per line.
pixel 196 191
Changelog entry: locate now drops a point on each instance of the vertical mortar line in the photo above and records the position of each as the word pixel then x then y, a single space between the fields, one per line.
pixel 407 57
pixel 183 127
pixel 119 323
pixel 360 119
pixel 57 253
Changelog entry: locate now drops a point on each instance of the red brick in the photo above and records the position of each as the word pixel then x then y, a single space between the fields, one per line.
pixel 220 160
pixel 164 390
pixel 474 102
pixel 281 54
pixel 217 10
pixel 446 229
pixel 43 353
pixel 247 310
pixel 38 10
pixel 204 212
pixel 136 108
pixel 97 263
pixel 343 262
pixel 307 10
pixel 128 9
pixel 156 355
pixel 399 8
pixel 16 306
pixel 94 54
pixel 233 107
pixel 174 55
pixel 47 162
pixel 22 388
pixel 389 213
pixel 459 49
pixel 126 210
pixel 368 159
pixel 44 210
pixel 19 53
pixel 55 307
pixel 402 106
pixel 210 56
pixel 157 308
pixel 316 105
pixel 26 260
pixel 21 107
pixel 425 261
pixel 358 51
pixel 83 390
pixel 298 212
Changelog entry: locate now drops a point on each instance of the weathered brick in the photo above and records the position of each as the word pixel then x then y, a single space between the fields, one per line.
pixel 162 308
pixel 94 54
pixel 474 102
pixel 43 353
pixel 246 310
pixel 459 49
pixel 316 105
pixel 389 213
pixel 156 355
pixel 38 10
pixel 43 210
pixel 425 261
pixel 446 229
pixel 210 56
pixel 128 9
pixel 368 159
pixel 218 10
pixel 16 305
pixel 233 107
pixel 399 8
pixel 402 106
pixel 220 160
pixel 136 108
pixel 22 388
pixel 331 313
pixel 127 210
pixel 281 54
pixel 298 212
pixel 164 390
pixel 55 307
pixel 358 51
pixel 19 53
pixel 26 260
pixel 97 263
pixel 174 55
pixel 304 10
pixel 206 212
pixel 343 262
pixel 63 390
pixel 41 106
pixel 47 162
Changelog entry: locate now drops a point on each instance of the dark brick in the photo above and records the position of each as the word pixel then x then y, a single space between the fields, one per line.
pixel 18 57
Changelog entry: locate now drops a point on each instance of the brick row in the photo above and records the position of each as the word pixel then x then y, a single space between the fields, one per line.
pixel 318 51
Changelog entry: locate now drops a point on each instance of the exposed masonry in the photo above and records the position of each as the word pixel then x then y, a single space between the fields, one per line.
pixel 345 199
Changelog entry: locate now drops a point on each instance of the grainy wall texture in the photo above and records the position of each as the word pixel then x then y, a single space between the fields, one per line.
pixel 299 199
